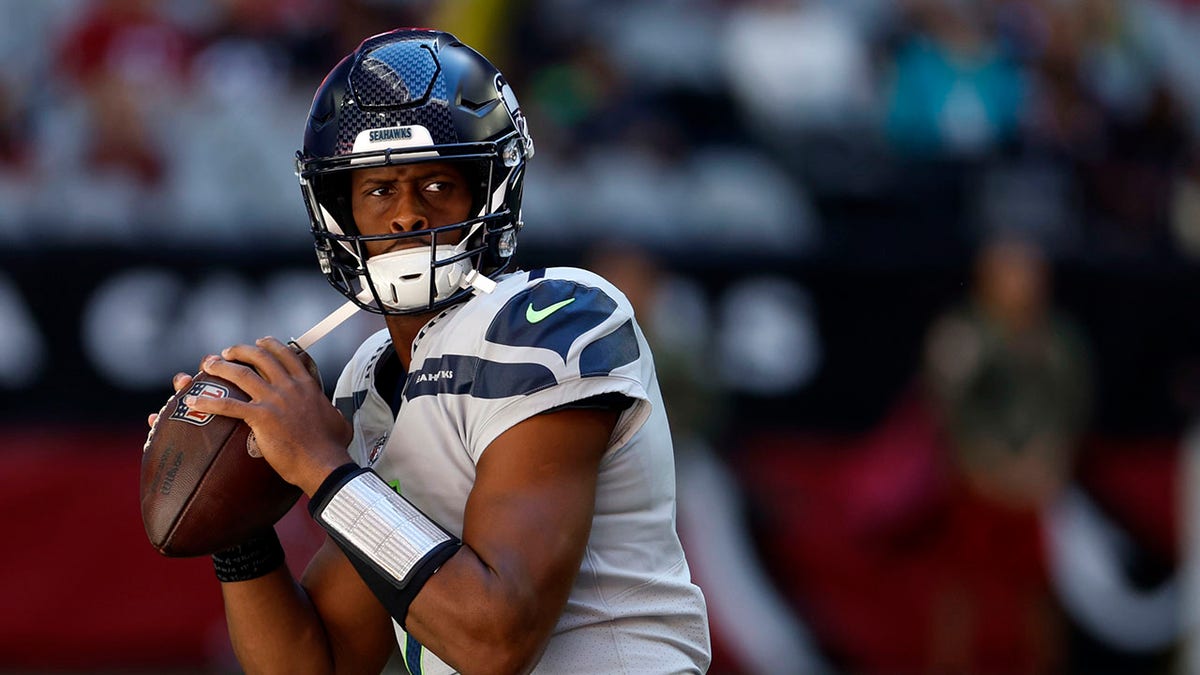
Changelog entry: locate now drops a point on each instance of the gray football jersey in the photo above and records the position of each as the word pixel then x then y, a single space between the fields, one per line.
pixel 543 339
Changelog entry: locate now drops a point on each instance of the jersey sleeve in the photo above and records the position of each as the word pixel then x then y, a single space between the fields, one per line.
pixel 550 344
pixel 354 397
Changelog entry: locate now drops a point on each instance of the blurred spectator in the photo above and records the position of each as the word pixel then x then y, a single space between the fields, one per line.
pixel 1063 119
pixel 1168 31
pixel 955 91
pixel 126 60
pixel 1011 379
pixel 14 132
pixel 122 66
pixel 797 66
pixel 665 45
pixel 1102 107
pixel 578 98
pixel 231 175
pixel 1129 186
pixel 16 154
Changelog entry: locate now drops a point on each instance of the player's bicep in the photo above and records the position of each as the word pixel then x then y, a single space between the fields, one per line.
pixel 359 629
pixel 536 484
pixel 525 530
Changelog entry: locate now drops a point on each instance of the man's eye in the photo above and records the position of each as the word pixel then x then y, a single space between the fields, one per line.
pixel 380 191
pixel 438 186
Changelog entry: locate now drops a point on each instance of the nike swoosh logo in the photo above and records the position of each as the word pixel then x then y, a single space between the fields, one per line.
pixel 535 315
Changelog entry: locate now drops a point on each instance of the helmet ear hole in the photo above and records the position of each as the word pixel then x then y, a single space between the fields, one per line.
pixel 478 175
pixel 333 193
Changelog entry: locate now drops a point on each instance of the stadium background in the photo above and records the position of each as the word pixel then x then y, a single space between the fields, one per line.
pixel 794 191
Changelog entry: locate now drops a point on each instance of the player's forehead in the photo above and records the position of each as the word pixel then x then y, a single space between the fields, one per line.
pixel 405 172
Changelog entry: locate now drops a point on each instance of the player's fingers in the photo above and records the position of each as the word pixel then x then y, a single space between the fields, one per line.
pixel 181 381
pixel 227 406
pixel 251 356
pixel 286 355
pixel 268 363
pixel 242 375
pixel 258 359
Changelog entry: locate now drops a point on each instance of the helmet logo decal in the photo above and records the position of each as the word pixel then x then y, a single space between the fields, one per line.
pixel 374 140
pixel 394 134
pixel 386 75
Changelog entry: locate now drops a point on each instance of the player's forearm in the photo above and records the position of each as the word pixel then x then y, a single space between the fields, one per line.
pixel 483 619
pixel 479 614
pixel 273 626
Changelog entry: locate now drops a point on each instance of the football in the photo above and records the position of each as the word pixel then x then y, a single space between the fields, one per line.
pixel 203 487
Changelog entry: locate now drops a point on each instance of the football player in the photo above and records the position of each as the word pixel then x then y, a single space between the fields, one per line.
pixel 495 472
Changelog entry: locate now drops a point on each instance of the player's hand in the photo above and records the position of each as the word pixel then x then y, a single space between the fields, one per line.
pixel 296 428
pixel 179 382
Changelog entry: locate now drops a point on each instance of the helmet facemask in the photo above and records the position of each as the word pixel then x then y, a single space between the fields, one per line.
pixel 451 262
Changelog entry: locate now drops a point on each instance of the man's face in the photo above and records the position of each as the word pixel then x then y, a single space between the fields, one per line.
pixel 409 198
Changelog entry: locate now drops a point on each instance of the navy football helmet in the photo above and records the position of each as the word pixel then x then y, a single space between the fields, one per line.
pixel 406 96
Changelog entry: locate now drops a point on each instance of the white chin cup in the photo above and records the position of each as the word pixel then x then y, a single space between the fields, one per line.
pixel 402 277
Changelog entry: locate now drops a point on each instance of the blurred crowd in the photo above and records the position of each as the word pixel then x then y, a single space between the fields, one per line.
pixel 1001 137
pixel 825 128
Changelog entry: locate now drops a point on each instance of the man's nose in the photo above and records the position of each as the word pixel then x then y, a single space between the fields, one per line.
pixel 410 215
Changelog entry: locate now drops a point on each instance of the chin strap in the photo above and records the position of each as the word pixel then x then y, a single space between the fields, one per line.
pixel 335 319
pixel 480 284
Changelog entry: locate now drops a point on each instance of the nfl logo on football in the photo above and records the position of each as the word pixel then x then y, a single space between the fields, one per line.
pixel 186 414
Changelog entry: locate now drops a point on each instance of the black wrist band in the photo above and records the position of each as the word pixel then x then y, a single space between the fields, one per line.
pixel 258 556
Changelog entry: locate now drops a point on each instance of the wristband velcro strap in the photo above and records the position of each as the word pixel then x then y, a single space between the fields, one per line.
pixel 256 557
pixel 393 545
